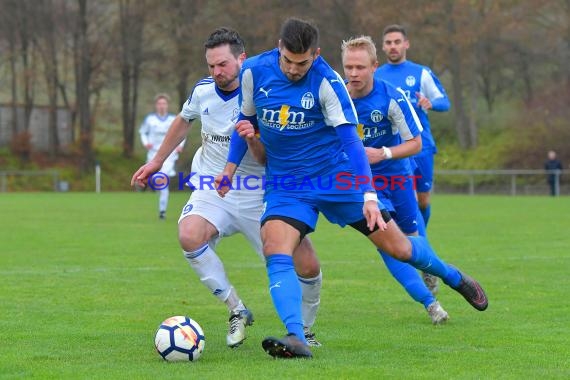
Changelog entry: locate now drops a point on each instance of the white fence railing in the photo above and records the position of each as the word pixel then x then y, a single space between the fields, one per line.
pixel 509 181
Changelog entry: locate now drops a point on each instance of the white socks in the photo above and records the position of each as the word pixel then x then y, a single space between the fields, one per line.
pixel 212 274
pixel 311 289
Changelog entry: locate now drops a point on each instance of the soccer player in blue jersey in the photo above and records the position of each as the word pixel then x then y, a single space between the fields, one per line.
pixel 426 93
pixel 315 162
pixel 391 132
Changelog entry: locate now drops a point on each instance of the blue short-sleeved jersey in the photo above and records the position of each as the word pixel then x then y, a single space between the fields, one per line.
pixel 411 77
pixel 296 119
pixel 386 118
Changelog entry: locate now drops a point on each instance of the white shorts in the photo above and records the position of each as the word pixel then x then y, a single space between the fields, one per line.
pixel 238 211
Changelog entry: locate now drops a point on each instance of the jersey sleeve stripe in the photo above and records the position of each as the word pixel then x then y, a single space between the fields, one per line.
pixel 247 105
pixel 428 86
pixel 335 110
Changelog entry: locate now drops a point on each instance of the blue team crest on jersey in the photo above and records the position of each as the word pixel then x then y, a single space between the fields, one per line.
pixel 376 116
pixel 307 101
pixel 410 80
pixel 235 114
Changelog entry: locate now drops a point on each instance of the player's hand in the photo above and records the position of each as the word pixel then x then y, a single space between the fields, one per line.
pixel 245 129
pixel 223 183
pixel 423 102
pixel 374 155
pixel 373 216
pixel 140 178
pixel 148 146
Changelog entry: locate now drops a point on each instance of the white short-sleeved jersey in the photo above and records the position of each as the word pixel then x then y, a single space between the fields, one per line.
pixel 218 112
pixel 153 129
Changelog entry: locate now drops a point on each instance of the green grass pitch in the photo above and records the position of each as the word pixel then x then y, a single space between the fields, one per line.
pixel 87 278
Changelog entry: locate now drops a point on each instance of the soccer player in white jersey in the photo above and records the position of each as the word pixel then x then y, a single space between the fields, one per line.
pixel 316 162
pixel 206 218
pixel 152 132
pixel 425 92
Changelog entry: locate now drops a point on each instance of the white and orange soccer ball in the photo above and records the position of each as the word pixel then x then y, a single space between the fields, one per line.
pixel 179 338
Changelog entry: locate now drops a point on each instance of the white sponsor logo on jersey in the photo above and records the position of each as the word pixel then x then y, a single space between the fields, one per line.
pixel 266 92
pixel 284 118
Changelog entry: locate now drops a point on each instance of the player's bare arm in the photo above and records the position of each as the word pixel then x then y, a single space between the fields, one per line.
pixel 173 139
pixel 406 149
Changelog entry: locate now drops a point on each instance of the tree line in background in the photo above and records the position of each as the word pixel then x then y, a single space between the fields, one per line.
pixel 488 51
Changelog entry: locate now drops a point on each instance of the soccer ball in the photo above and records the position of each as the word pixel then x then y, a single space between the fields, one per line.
pixel 179 339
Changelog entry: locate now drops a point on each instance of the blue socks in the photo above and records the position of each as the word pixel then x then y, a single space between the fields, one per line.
pixel 425 259
pixel 285 292
pixel 409 278
pixel 426 213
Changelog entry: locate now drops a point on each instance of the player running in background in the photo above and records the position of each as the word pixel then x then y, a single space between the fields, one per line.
pixel 424 90
pixel 152 132
pixel 307 124
pixel 206 218
pixel 391 132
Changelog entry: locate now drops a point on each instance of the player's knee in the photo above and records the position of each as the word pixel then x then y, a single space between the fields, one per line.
pixel 191 238
pixel 270 247
pixel 308 268
pixel 402 250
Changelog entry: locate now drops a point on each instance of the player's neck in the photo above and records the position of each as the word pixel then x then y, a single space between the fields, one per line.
pixel 162 114
pixel 357 94
pixel 396 63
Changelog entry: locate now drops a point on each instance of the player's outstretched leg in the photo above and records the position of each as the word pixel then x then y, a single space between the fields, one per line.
pixel 210 270
pixel 424 258
pixel 411 281
pixel 195 233
pixel 416 251
pixel 285 292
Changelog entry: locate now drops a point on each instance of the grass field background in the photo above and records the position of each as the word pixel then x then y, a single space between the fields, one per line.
pixel 87 278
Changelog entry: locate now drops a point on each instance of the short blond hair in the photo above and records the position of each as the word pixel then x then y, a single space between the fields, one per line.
pixel 162 95
pixel 361 42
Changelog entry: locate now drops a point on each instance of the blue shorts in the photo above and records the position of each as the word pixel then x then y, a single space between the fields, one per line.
pixel 402 204
pixel 340 206
pixel 424 171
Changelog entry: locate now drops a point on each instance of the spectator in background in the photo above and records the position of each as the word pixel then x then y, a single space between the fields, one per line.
pixel 152 132
pixel 553 165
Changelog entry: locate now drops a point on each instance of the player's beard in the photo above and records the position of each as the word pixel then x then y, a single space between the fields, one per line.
pixel 223 83
pixel 395 57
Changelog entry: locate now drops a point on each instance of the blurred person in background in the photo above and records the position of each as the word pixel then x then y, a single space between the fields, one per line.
pixel 553 165
pixel 152 132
